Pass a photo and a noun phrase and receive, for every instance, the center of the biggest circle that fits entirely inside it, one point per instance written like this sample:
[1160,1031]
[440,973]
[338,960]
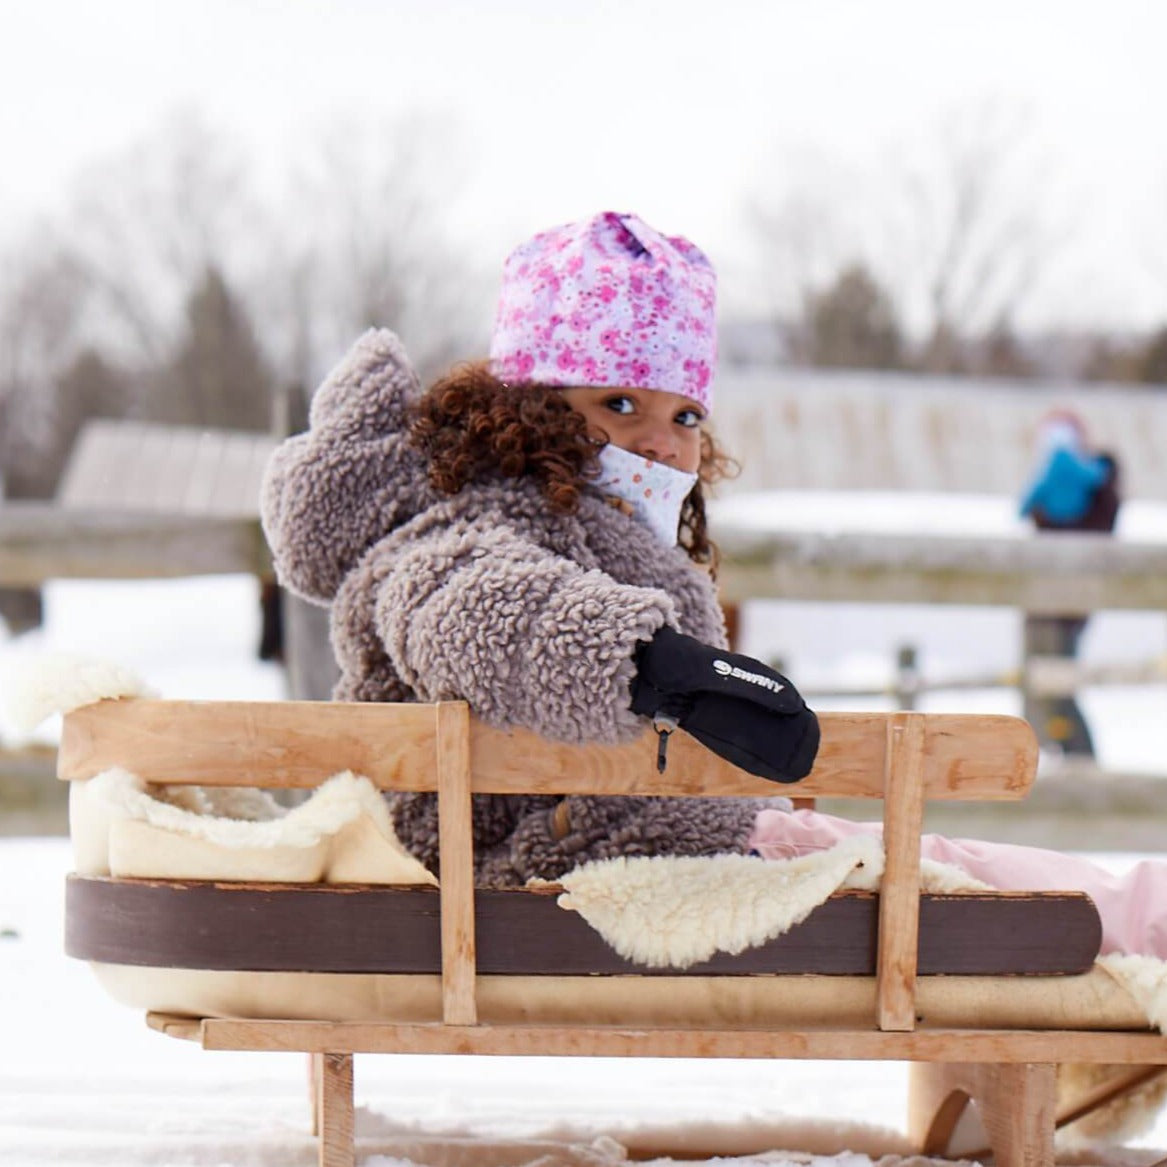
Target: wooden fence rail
[41,541]
[1042,574]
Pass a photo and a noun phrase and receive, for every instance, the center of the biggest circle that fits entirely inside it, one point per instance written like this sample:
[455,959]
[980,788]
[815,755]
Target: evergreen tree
[1003,354]
[1153,361]
[219,376]
[852,323]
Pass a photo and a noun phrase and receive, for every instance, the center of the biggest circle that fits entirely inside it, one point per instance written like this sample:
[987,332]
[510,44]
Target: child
[1072,489]
[477,542]
[529,535]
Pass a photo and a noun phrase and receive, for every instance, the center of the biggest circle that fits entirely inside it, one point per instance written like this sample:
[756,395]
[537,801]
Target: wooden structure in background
[137,500]
[140,500]
[135,466]
[904,759]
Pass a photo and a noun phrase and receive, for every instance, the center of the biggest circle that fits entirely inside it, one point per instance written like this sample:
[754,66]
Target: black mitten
[735,705]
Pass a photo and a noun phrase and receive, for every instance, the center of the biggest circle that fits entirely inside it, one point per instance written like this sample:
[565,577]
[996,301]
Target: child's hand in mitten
[733,704]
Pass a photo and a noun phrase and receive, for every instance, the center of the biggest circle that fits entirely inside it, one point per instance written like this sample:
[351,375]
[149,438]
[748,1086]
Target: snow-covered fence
[811,429]
[41,541]
[1067,574]
[1039,676]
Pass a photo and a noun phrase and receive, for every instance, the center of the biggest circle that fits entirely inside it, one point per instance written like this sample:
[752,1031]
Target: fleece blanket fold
[342,833]
[675,911]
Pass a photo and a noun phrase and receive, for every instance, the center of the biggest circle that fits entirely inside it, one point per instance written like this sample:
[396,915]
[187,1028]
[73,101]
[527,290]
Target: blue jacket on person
[1064,488]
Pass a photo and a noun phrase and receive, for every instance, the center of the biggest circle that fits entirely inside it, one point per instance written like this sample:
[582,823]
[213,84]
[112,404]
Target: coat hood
[331,493]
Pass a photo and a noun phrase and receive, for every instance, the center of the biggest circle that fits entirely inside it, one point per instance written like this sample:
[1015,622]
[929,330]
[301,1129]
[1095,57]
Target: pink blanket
[1133,906]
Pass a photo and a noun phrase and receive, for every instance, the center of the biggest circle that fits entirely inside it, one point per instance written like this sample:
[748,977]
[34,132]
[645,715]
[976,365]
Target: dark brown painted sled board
[352,928]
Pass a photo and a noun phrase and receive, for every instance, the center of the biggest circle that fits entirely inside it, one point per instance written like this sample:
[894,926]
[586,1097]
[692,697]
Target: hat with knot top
[608,301]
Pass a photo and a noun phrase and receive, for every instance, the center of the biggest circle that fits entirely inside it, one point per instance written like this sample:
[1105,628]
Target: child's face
[664,427]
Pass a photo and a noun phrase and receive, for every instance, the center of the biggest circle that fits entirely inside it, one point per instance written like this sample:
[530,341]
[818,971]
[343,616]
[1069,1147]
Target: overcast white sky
[672,109]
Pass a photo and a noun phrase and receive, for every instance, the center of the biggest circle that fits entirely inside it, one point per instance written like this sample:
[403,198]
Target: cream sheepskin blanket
[39,685]
[342,834]
[676,911]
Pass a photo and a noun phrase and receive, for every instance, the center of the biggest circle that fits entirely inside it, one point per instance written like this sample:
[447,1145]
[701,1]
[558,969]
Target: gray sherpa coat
[487,595]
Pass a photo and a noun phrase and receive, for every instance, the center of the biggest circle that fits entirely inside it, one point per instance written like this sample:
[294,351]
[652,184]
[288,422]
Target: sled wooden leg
[315,1075]
[936,1101]
[1017,1104]
[332,1108]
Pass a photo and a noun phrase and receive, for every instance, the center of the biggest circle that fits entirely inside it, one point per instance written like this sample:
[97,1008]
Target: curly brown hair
[470,424]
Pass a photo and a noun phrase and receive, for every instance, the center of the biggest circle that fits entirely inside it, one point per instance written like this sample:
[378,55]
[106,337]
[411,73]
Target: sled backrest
[903,758]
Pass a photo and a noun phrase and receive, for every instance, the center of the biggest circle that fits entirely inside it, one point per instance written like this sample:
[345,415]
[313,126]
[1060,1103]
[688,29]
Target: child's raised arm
[330,493]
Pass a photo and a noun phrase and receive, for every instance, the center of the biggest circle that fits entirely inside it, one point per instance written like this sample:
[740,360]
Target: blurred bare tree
[171,269]
[952,227]
[147,224]
[974,227]
[42,308]
[370,245]
[804,236]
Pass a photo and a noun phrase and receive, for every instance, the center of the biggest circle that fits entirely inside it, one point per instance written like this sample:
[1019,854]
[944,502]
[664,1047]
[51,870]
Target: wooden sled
[961,985]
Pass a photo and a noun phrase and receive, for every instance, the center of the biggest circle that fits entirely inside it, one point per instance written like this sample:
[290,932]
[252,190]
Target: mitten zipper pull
[664,725]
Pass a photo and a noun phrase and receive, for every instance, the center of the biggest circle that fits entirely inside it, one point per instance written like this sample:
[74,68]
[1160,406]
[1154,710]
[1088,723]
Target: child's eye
[688,418]
[620,404]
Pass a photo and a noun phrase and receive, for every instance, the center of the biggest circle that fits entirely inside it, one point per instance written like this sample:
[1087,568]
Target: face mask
[655,492]
[1058,434]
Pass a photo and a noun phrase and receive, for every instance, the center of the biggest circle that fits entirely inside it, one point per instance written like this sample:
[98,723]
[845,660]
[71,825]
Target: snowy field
[82,1081]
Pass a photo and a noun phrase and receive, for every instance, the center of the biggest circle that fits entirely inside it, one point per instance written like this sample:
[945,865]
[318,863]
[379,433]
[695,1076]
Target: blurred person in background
[1073,488]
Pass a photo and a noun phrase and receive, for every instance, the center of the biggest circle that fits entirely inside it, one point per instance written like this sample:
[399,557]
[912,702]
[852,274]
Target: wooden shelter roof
[165,469]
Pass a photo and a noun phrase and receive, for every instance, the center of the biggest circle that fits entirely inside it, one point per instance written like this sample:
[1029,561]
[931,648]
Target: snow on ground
[83,1082]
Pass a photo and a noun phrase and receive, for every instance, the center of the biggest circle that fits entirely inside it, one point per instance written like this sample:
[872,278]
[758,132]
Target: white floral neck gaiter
[655,492]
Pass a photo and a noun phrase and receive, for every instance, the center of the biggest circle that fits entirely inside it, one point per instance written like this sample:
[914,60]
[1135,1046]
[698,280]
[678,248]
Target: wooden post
[308,658]
[456,855]
[315,1084]
[899,900]
[334,1110]
[907,676]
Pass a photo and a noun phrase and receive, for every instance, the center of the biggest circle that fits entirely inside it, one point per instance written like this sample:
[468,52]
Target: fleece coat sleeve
[527,637]
[332,492]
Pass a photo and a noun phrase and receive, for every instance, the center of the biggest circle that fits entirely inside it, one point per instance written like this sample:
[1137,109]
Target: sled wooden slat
[456,852]
[899,907]
[999,1047]
[299,744]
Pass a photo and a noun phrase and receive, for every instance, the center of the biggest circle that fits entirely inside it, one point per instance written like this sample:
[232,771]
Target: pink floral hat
[608,301]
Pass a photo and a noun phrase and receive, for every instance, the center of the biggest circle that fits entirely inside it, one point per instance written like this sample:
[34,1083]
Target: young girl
[529,535]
